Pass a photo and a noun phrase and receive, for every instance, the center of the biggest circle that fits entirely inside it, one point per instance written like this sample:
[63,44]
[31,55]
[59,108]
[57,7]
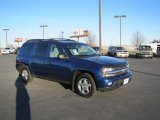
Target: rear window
[26,49]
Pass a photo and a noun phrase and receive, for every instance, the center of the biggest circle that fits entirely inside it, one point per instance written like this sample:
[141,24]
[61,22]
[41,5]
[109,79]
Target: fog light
[110,83]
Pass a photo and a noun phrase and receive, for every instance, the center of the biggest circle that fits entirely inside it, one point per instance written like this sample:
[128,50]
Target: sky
[24,17]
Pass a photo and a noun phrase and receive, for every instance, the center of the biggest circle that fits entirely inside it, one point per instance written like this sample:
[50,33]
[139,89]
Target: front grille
[146,53]
[119,70]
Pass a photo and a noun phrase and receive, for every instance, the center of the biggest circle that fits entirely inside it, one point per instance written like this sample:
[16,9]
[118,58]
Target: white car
[8,51]
[118,52]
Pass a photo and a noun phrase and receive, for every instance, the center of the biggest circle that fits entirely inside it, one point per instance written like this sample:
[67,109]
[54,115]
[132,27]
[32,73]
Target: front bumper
[104,84]
[122,55]
[143,55]
[4,52]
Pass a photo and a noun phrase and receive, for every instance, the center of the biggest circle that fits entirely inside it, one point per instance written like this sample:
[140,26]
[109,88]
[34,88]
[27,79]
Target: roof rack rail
[51,39]
[62,39]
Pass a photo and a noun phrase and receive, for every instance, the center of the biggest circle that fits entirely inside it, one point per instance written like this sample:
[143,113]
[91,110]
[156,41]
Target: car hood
[105,60]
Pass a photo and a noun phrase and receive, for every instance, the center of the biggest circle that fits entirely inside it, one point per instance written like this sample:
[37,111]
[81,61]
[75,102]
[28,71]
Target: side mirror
[62,56]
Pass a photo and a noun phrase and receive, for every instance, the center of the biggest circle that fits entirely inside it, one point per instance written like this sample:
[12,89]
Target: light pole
[6,35]
[43,26]
[62,34]
[100,32]
[120,16]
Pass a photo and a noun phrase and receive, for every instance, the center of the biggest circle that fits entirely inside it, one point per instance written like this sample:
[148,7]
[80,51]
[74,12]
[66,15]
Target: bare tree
[91,39]
[137,39]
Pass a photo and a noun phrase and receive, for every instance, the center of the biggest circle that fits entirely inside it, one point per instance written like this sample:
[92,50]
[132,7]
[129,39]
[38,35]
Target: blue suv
[71,62]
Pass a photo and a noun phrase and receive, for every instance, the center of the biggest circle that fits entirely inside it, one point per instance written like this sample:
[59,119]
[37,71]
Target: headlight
[105,71]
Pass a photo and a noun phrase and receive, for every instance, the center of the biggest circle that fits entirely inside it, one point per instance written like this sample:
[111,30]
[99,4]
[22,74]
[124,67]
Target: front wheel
[25,74]
[85,85]
[115,54]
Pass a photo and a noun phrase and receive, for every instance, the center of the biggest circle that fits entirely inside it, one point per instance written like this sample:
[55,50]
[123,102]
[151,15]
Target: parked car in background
[155,48]
[158,51]
[144,51]
[8,50]
[73,63]
[116,51]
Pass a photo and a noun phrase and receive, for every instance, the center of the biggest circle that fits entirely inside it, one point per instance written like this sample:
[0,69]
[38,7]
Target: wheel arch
[22,65]
[79,72]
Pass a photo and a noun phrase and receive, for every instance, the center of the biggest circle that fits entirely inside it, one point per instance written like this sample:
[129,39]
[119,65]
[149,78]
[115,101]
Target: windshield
[119,48]
[145,47]
[7,48]
[81,50]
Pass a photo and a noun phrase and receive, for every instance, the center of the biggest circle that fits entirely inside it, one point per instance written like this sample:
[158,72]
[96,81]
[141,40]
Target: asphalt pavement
[48,100]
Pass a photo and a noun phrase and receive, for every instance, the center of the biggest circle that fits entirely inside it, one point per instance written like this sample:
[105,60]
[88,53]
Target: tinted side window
[26,49]
[41,50]
[110,48]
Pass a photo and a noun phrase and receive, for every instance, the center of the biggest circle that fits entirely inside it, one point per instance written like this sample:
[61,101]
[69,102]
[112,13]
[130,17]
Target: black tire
[85,85]
[137,56]
[25,74]
[115,54]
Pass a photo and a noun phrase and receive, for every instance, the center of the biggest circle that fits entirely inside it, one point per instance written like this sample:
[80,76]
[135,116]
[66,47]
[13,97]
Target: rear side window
[41,49]
[26,49]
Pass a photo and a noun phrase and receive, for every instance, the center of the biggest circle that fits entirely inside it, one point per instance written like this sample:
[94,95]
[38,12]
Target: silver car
[8,51]
[116,51]
[144,51]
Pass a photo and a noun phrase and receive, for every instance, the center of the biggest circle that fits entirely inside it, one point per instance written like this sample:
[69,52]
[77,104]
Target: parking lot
[48,100]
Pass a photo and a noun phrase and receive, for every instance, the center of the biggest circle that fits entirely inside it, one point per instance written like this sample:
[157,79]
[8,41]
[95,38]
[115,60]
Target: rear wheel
[137,56]
[85,85]
[25,74]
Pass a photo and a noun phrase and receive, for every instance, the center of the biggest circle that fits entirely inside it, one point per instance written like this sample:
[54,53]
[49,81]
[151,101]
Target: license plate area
[125,81]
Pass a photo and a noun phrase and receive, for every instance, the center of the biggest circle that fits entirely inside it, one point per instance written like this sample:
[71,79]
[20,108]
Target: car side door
[38,58]
[56,68]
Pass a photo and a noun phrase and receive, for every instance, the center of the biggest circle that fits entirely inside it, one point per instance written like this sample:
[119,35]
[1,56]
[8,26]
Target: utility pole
[43,26]
[6,35]
[100,32]
[120,16]
[62,34]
